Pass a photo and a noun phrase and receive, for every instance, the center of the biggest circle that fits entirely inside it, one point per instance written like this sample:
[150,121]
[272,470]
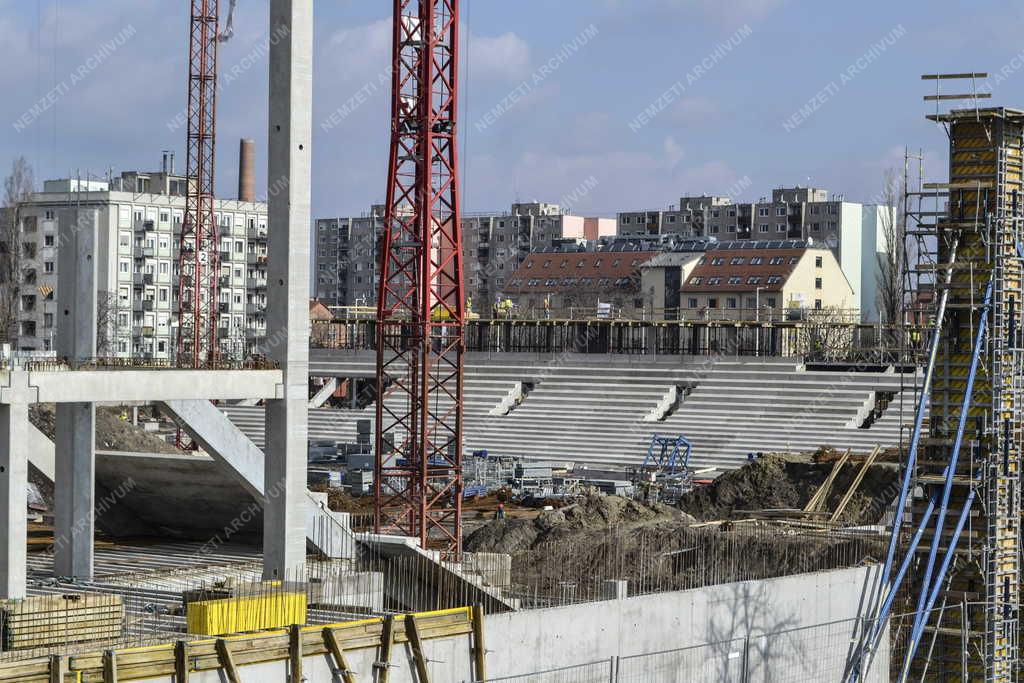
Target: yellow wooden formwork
[245,614]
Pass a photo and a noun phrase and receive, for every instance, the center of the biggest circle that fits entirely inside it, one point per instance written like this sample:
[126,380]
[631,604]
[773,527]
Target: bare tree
[892,262]
[18,185]
[106,323]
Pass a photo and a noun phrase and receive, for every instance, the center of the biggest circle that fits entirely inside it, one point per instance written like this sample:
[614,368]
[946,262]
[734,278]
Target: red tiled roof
[553,272]
[728,264]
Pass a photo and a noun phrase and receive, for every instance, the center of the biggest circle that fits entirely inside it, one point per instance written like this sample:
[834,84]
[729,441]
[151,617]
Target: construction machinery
[665,473]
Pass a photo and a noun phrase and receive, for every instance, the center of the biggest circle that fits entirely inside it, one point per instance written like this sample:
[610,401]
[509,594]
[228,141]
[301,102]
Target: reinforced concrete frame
[76,391]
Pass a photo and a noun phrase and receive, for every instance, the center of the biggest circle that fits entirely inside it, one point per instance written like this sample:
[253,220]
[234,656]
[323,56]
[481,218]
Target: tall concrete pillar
[288,327]
[75,453]
[13,495]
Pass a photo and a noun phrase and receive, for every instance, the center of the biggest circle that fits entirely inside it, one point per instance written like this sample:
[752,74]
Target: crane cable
[229,29]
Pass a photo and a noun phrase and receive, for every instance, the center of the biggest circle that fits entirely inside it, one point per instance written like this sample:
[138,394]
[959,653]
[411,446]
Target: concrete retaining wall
[798,628]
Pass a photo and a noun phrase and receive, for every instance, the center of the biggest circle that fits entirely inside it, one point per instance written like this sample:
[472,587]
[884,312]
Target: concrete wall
[807,616]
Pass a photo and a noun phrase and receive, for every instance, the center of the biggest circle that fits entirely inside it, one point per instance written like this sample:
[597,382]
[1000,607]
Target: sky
[600,105]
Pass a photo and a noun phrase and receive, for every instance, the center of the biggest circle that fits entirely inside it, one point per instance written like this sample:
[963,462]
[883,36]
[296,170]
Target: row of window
[697,281]
[732,302]
[570,282]
[583,262]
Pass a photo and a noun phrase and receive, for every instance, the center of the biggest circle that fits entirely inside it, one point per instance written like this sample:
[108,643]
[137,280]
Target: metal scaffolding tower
[420,314]
[961,563]
[199,258]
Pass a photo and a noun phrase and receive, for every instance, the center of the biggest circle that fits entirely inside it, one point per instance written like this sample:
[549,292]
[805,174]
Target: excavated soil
[777,482]
[593,514]
[112,433]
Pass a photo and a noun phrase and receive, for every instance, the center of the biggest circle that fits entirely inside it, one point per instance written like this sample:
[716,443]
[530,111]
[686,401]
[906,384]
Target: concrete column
[288,327]
[75,453]
[13,498]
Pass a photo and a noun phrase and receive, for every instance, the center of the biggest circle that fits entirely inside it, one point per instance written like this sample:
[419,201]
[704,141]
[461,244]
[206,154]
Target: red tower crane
[199,258]
[420,305]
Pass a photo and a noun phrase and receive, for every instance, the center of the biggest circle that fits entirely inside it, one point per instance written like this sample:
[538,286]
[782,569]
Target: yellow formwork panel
[243,614]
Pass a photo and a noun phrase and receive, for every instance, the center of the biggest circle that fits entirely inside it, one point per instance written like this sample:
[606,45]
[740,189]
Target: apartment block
[852,231]
[140,219]
[494,245]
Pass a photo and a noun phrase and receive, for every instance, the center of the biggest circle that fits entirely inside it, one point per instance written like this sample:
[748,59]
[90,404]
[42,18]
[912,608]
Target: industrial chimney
[247,171]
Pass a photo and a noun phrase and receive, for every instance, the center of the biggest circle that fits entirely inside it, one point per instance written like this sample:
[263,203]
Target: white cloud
[673,151]
[506,56]
[695,110]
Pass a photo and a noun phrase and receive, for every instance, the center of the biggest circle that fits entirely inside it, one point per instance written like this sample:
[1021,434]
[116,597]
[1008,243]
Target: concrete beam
[326,391]
[290,141]
[13,498]
[115,386]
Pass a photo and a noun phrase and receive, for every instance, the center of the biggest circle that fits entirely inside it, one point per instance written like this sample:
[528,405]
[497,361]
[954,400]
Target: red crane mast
[199,258]
[421,299]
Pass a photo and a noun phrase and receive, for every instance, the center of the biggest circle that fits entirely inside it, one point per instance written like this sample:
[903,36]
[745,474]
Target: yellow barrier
[243,614]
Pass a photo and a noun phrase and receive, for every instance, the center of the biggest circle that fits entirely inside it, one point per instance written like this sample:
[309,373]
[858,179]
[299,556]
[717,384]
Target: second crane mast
[420,323]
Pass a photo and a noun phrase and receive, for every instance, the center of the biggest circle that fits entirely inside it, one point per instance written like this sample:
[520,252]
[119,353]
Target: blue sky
[530,132]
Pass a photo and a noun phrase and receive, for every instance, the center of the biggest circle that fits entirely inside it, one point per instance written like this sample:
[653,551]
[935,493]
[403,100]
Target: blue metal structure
[668,455]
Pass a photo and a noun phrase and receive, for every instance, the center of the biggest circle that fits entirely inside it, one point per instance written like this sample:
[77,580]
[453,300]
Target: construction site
[419,493]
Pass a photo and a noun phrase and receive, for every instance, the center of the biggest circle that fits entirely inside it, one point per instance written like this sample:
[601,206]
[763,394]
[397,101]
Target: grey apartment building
[852,231]
[494,244]
[140,219]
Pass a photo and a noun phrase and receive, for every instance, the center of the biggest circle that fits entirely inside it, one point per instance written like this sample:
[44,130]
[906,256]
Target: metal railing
[809,341]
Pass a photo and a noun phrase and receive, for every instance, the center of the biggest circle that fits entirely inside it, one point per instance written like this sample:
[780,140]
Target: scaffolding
[961,487]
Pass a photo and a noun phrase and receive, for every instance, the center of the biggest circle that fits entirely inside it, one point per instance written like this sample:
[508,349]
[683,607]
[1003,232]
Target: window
[781,227]
[616,262]
[696,280]
[164,217]
[597,263]
[625,220]
[832,225]
[547,264]
[718,261]
[691,302]
[735,279]
[713,230]
[737,261]
[581,263]
[762,211]
[638,303]
[833,209]
[817,262]
[780,211]
[757,260]
[815,210]
[730,302]
[732,213]
[529,264]
[817,304]
[564,263]
[163,294]
[671,219]
[731,228]
[771,302]
[714,281]
[793,260]
[774,279]
[712,302]
[776,260]
[817,283]
[763,227]
[604,282]
[754,280]
[815,227]
[714,214]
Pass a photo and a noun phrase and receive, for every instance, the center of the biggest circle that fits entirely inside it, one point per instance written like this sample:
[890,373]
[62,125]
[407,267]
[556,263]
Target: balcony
[148,305]
[255,309]
[224,307]
[224,231]
[148,331]
[140,279]
[225,256]
[256,233]
[223,332]
[224,281]
[145,226]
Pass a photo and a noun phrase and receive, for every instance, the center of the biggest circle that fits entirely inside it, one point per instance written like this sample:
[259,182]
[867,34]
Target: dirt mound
[779,482]
[591,514]
[112,433]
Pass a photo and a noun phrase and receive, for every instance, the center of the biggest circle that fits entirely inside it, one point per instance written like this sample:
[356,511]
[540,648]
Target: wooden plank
[110,666]
[418,658]
[966,96]
[868,462]
[226,661]
[387,640]
[181,664]
[295,652]
[819,497]
[338,653]
[479,644]
[940,77]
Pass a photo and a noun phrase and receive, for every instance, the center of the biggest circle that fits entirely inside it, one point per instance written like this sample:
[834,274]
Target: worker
[500,513]
[547,307]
